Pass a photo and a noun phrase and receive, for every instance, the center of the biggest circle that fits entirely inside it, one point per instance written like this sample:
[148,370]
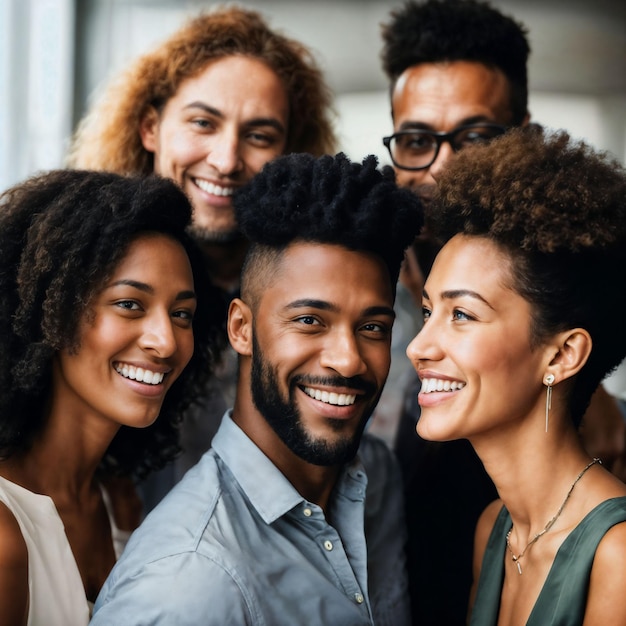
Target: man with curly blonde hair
[209,107]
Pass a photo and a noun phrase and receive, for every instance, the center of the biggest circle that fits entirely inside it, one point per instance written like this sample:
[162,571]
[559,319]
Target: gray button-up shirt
[235,543]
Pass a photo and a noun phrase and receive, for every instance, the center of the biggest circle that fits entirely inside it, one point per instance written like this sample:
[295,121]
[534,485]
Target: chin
[434,432]
[206,234]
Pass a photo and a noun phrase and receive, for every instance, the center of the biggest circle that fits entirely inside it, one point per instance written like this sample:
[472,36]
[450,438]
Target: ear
[572,351]
[240,327]
[148,129]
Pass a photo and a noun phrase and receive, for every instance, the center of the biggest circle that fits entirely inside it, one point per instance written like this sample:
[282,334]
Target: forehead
[444,95]
[471,262]
[149,253]
[329,273]
[236,83]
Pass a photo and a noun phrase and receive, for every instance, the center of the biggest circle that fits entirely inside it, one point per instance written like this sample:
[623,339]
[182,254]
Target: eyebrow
[451,294]
[323,305]
[182,295]
[468,121]
[255,122]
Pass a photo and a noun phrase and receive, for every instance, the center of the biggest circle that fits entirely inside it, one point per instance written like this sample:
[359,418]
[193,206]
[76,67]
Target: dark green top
[563,597]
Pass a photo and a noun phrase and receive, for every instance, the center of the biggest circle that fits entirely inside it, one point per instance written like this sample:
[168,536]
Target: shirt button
[328,545]
[359,598]
[307,512]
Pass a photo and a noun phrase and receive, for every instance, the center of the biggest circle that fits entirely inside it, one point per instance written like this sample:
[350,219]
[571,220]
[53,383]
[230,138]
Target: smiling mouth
[330,397]
[139,374]
[212,188]
[431,385]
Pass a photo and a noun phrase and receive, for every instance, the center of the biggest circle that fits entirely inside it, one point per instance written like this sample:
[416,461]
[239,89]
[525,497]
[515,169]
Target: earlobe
[240,327]
[148,129]
[574,347]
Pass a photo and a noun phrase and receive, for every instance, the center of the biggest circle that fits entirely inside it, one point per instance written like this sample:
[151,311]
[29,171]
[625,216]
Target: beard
[204,235]
[284,418]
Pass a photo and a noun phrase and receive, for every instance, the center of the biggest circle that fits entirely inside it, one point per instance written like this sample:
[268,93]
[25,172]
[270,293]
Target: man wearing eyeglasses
[458,75]
[457,72]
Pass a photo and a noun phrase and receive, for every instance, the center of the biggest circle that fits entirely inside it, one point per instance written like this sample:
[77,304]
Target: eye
[415,141]
[308,320]
[261,140]
[187,315]
[183,317]
[203,123]
[376,330]
[128,305]
[478,134]
[459,315]
[426,313]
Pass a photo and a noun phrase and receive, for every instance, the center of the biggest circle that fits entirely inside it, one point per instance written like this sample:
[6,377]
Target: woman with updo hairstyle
[523,314]
[108,330]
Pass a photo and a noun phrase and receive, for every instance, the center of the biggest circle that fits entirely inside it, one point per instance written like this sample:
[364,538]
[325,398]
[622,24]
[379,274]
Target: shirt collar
[267,488]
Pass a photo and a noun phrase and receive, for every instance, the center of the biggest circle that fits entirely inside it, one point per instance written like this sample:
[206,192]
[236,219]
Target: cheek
[379,361]
[181,148]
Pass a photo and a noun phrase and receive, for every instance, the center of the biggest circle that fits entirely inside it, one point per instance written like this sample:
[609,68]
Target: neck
[313,482]
[533,472]
[64,457]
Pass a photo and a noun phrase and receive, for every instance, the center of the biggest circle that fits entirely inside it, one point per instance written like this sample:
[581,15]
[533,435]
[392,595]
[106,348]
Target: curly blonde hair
[108,137]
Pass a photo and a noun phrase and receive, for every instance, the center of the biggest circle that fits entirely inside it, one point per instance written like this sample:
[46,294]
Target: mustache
[354,382]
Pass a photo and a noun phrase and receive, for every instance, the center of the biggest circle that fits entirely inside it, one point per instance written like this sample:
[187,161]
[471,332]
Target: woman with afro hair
[108,330]
[523,314]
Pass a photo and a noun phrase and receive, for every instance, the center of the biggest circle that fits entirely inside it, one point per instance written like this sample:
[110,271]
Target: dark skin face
[322,351]
[441,97]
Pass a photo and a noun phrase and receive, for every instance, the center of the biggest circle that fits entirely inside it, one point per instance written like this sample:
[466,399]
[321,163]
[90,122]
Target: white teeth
[430,385]
[139,374]
[213,189]
[337,399]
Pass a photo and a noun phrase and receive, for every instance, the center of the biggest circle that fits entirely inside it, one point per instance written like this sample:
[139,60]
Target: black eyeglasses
[417,149]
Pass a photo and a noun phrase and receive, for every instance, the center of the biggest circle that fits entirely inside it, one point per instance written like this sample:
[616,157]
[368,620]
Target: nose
[224,153]
[424,346]
[158,336]
[342,354]
[443,157]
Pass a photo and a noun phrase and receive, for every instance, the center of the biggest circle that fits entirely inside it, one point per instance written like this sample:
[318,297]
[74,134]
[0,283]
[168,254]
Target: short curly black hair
[62,234]
[458,30]
[331,200]
[557,208]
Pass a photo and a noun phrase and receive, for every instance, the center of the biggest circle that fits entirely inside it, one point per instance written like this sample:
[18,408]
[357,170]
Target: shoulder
[12,545]
[606,601]
[484,528]
[186,588]
[13,567]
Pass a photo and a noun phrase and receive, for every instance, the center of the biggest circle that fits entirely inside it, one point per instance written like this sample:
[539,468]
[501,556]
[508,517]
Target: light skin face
[476,341]
[215,134]
[441,97]
[323,326]
[140,320]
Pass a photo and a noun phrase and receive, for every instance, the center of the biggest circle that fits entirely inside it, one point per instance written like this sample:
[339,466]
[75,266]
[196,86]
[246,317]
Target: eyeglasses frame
[440,137]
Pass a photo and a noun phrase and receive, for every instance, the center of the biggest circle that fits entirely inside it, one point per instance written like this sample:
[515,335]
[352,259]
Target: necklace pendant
[519,566]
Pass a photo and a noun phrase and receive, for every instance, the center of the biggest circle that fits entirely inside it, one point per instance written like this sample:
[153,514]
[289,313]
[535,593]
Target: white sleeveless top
[57,595]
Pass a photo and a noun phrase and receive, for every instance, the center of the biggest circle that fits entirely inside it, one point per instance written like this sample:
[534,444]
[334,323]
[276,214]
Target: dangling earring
[548,381]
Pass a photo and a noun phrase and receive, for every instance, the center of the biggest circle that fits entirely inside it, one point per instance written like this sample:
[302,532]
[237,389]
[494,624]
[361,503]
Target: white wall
[36,83]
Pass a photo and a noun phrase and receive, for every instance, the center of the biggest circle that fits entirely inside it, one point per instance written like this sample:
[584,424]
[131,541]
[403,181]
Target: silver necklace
[549,525]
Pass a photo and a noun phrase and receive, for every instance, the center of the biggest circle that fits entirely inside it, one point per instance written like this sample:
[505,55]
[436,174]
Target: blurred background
[54,54]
